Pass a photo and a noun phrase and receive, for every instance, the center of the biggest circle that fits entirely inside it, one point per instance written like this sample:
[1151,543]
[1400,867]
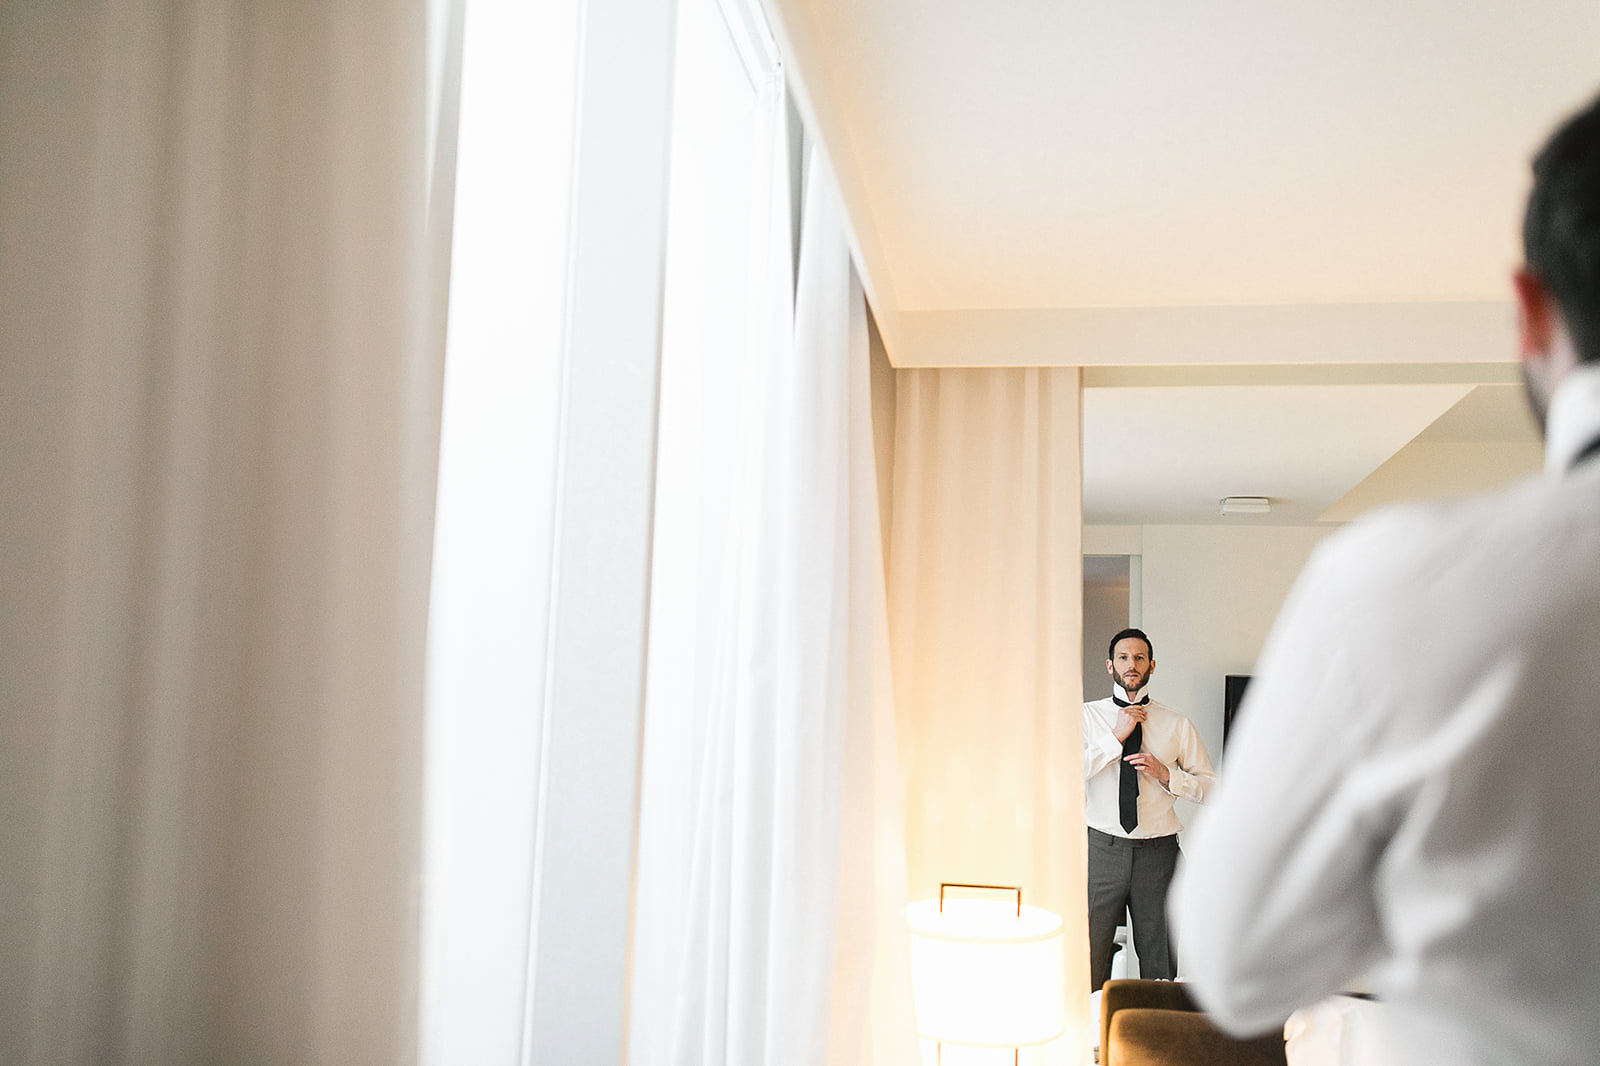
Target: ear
[1536,317]
[1110,669]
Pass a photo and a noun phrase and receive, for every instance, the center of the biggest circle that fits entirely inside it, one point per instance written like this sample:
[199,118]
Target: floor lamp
[987,973]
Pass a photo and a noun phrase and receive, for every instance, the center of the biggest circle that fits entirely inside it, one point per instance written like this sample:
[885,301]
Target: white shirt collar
[1122,693]
[1574,418]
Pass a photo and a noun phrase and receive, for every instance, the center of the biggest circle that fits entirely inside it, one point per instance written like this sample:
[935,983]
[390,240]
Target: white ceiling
[1136,471]
[1158,454]
[1485,441]
[1490,414]
[1155,186]
[1087,153]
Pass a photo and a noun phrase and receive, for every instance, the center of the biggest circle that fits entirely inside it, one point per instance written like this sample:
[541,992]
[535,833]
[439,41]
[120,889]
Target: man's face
[1130,664]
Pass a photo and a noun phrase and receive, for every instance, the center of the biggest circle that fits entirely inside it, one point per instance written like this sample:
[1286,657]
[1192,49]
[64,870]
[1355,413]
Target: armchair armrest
[1121,995]
[1157,1023]
[1144,1036]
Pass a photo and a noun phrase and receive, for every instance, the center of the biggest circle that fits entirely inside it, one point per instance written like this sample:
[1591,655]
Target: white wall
[1210,596]
[1113,540]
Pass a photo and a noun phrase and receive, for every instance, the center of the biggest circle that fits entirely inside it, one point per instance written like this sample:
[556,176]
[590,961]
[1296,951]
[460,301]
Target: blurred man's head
[1558,289]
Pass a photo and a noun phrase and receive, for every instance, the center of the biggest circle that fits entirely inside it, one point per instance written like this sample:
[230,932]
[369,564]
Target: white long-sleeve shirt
[1411,793]
[1167,735]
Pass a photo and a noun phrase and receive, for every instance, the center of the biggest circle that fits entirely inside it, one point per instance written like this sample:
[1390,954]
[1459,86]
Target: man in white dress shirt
[1138,756]
[1412,797]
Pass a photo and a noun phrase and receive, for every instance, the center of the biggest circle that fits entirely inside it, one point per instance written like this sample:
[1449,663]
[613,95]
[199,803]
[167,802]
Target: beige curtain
[985,616]
[218,427]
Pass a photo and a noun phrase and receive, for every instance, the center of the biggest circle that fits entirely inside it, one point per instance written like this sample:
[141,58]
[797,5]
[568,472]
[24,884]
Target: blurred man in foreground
[1412,795]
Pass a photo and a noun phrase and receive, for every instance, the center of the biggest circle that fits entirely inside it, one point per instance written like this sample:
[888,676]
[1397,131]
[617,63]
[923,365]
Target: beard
[1133,684]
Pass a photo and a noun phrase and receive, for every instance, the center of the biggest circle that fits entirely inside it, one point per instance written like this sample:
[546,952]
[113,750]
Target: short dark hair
[1150,649]
[1561,229]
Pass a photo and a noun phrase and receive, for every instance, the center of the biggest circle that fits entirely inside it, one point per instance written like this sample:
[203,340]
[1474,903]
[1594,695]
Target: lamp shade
[985,975]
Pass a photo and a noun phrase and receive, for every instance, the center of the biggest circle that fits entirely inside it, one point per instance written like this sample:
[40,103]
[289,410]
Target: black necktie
[1128,781]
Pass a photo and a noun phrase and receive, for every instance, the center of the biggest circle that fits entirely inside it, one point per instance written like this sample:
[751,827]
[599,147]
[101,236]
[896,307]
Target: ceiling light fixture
[1246,505]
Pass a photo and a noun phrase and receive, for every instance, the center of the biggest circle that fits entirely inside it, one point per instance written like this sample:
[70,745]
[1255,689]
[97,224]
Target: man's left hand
[1149,764]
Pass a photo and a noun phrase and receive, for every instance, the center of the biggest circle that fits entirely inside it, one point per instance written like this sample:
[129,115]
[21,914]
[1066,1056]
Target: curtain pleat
[221,412]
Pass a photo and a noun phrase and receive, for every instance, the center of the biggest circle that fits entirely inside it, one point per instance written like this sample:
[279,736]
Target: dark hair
[1561,230]
[1150,649]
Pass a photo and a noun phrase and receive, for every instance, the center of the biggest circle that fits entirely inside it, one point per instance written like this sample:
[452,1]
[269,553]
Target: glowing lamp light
[987,973]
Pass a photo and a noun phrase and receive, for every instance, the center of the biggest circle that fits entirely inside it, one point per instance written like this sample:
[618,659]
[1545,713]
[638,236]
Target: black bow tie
[1120,702]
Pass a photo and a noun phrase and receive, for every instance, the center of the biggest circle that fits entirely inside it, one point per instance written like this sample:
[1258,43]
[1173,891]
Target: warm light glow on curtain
[986,617]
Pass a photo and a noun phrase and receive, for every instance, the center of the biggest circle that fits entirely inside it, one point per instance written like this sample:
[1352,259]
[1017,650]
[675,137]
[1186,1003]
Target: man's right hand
[1127,718]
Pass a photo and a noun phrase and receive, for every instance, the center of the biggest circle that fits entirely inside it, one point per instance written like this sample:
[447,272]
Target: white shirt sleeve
[1273,903]
[1101,747]
[1193,777]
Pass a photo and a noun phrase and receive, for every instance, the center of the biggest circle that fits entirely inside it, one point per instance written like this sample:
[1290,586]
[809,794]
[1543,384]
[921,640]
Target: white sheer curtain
[218,427]
[494,531]
[770,924]
[986,612]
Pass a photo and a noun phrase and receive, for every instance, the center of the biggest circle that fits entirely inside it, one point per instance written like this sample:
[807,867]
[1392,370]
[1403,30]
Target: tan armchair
[1155,1023]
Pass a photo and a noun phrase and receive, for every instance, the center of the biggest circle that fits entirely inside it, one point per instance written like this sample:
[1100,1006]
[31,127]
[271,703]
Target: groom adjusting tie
[1139,755]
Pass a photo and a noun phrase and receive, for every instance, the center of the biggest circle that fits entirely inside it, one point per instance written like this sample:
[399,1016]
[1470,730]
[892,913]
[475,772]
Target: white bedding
[1339,1031]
